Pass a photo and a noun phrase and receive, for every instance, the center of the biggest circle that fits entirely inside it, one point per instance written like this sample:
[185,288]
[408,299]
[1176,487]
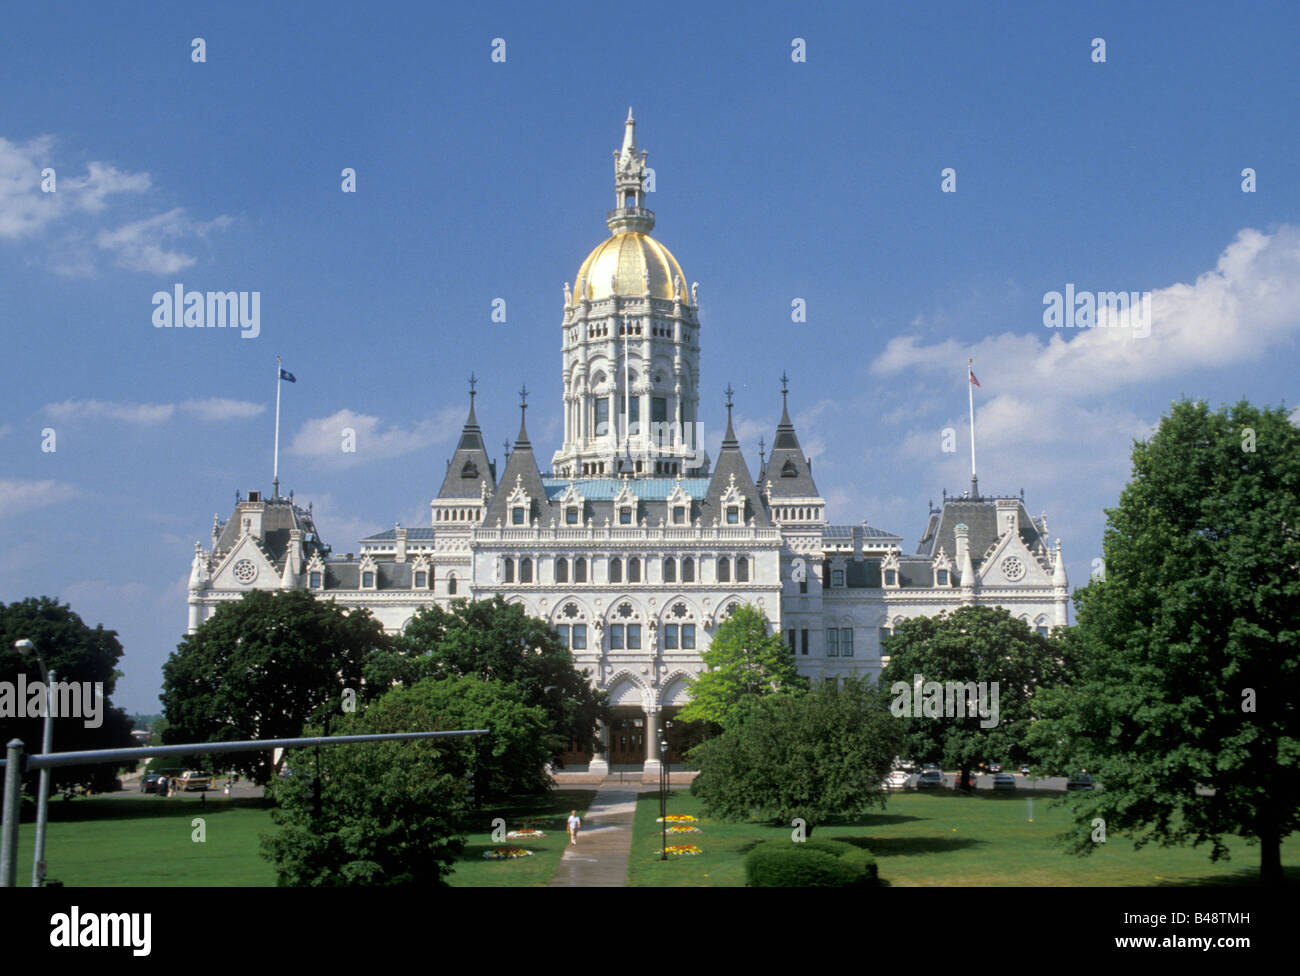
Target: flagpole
[275,463]
[970,389]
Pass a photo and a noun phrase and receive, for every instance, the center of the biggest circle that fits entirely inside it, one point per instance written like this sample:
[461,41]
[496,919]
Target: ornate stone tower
[631,349]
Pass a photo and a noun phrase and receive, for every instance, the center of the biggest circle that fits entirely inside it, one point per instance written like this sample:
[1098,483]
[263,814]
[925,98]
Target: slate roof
[469,467]
[787,468]
[390,535]
[279,516]
[732,462]
[520,469]
[981,519]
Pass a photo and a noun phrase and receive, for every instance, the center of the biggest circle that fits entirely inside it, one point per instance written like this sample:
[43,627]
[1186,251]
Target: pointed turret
[521,483]
[732,486]
[469,468]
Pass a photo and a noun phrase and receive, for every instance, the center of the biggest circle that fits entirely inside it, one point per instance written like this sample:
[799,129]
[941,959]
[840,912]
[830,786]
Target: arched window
[616,570]
[561,570]
[670,570]
[742,569]
[525,570]
[580,569]
[451,584]
[634,570]
[510,570]
[367,580]
[688,570]
[724,569]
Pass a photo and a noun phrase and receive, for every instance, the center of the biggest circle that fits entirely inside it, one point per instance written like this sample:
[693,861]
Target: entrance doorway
[627,737]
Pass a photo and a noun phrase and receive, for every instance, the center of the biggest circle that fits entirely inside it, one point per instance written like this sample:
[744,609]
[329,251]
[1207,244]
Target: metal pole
[275,463]
[43,795]
[9,839]
[970,388]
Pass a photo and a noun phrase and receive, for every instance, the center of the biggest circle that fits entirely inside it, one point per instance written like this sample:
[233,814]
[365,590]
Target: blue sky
[478,180]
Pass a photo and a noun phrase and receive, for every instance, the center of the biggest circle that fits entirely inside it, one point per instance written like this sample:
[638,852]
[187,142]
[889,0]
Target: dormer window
[733,515]
[517,515]
[625,516]
[314,580]
[571,515]
[679,515]
[891,577]
[421,580]
[368,581]
[788,470]
[941,577]
[469,470]
[837,577]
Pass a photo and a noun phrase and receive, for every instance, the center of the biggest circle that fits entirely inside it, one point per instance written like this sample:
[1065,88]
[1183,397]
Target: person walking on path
[575,824]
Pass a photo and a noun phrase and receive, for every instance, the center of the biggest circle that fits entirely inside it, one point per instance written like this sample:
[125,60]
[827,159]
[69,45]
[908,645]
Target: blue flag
[287,376]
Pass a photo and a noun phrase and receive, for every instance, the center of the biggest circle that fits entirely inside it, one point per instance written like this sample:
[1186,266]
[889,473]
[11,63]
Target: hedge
[811,863]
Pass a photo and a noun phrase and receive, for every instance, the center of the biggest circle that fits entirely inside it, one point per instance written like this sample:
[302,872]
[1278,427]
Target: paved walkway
[599,859]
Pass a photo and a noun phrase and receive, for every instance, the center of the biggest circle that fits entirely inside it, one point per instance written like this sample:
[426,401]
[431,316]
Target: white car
[896,780]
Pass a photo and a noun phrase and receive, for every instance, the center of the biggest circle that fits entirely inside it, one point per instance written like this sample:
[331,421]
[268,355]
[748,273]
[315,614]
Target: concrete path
[599,859]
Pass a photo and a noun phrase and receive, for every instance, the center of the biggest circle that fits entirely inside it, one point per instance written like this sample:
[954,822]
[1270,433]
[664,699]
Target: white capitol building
[636,544]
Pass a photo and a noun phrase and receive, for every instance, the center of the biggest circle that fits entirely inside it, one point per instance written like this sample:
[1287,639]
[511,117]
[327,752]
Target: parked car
[149,782]
[1004,781]
[930,779]
[995,767]
[1024,769]
[192,780]
[896,780]
[1079,781]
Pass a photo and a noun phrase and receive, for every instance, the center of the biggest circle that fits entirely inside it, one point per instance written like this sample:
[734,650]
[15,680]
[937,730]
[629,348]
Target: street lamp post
[663,793]
[43,793]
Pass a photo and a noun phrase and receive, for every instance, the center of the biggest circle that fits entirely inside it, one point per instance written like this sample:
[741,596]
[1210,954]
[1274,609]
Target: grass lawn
[548,814]
[145,840]
[946,839]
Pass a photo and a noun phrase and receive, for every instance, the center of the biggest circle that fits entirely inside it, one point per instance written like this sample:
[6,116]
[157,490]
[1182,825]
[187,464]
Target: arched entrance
[626,725]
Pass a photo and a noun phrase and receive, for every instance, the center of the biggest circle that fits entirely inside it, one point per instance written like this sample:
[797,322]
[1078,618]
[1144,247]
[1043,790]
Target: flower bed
[677,818]
[683,849]
[684,829]
[506,853]
[526,833]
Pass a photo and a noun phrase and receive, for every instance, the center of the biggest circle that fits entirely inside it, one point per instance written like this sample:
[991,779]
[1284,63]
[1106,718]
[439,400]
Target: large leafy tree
[497,641]
[745,661]
[384,813]
[815,755]
[983,645]
[1190,676]
[78,653]
[264,666]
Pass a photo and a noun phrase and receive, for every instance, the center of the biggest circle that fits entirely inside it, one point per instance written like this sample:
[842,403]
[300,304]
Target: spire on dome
[522,439]
[630,213]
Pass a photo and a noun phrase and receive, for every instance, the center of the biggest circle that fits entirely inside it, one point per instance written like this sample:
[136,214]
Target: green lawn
[550,813]
[946,839]
[147,840]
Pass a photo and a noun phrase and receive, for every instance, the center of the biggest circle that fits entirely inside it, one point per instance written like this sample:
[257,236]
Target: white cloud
[207,409]
[1236,312]
[19,495]
[323,437]
[68,222]
[138,246]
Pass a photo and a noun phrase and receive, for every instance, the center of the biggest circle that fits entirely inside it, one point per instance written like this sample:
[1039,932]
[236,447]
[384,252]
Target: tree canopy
[745,661]
[76,652]
[1185,707]
[981,645]
[384,813]
[815,755]
[265,666]
[497,641]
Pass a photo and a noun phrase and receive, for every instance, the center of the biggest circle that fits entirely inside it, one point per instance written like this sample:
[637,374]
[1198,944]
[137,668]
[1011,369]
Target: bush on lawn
[811,863]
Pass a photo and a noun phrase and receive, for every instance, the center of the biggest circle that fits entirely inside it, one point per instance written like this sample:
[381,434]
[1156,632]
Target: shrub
[812,863]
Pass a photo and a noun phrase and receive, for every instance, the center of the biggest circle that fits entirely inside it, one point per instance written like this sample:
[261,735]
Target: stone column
[652,735]
[599,764]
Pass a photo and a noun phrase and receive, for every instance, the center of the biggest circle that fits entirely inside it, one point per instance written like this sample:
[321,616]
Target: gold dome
[618,266]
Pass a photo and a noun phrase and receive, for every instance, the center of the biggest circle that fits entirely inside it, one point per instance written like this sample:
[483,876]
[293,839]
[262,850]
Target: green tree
[77,653]
[497,641]
[1190,676]
[745,660]
[979,645]
[263,667]
[814,755]
[383,813]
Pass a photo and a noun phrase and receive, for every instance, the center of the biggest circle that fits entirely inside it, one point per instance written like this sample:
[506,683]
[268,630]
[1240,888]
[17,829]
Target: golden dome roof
[618,266]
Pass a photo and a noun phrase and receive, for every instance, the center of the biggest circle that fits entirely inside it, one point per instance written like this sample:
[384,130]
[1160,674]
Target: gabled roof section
[279,516]
[787,468]
[730,470]
[469,466]
[981,518]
